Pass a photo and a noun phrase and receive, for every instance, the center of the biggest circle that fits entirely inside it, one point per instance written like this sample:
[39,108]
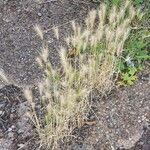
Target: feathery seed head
[74,26]
[38,30]
[3,76]
[45,53]
[28,95]
[56,31]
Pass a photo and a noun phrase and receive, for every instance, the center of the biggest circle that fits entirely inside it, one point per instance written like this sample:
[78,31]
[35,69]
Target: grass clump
[89,65]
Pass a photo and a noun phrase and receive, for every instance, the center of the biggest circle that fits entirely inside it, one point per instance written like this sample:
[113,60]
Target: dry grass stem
[3,76]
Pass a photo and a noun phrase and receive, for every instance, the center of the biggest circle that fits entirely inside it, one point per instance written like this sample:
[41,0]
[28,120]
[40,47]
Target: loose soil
[122,118]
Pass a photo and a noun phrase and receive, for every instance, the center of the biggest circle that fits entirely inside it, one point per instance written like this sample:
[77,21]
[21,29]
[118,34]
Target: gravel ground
[122,119]
[19,44]
[16,130]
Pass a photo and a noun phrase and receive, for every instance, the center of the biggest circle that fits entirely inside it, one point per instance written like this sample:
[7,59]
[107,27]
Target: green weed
[135,53]
[136,47]
[129,77]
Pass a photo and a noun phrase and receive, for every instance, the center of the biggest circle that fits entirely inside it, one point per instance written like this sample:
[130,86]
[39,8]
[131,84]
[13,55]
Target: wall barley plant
[91,65]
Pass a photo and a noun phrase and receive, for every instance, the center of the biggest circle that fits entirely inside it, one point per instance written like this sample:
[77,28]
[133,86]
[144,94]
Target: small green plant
[138,2]
[135,53]
[113,2]
[129,77]
[116,2]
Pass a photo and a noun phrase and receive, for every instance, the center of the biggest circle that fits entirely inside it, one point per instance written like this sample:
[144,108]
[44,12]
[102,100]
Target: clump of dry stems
[65,92]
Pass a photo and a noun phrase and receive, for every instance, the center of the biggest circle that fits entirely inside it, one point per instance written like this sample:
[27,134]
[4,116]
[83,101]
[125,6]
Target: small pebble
[13,127]
[139,121]
[19,10]
[39,14]
[9,129]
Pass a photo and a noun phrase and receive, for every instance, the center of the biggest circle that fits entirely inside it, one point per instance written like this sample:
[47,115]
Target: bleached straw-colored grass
[90,65]
[3,76]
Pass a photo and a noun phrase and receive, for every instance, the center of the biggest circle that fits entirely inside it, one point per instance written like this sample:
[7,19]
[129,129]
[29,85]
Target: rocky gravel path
[16,130]
[19,44]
